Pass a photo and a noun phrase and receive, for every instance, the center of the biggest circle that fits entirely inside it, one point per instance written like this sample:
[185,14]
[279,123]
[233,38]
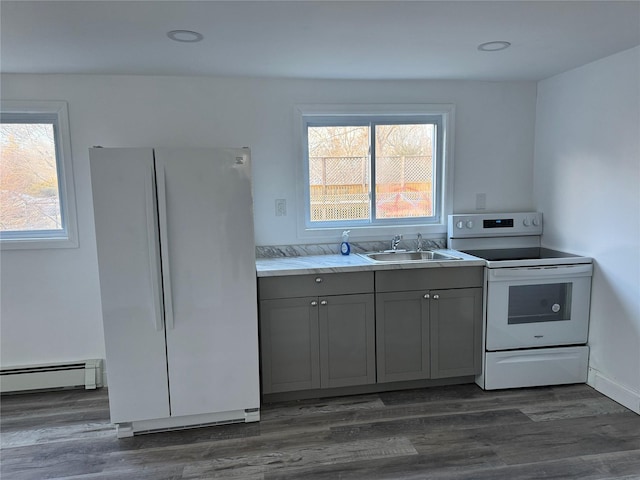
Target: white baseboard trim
[128,429]
[616,392]
[47,376]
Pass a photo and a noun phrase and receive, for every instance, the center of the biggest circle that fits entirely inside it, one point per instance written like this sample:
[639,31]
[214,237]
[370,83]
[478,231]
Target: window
[37,204]
[375,170]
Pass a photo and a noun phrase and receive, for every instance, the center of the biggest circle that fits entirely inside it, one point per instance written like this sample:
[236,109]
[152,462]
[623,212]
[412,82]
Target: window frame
[317,115]
[55,112]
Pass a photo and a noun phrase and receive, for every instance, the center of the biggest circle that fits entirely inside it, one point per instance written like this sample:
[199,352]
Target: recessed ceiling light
[187,36]
[493,46]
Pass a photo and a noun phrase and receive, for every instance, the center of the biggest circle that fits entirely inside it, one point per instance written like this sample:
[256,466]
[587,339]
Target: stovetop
[533,253]
[530,257]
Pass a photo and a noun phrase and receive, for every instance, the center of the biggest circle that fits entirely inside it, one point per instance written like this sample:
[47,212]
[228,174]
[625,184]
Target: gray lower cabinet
[311,342]
[456,332]
[327,331]
[289,344]
[347,340]
[402,336]
[428,333]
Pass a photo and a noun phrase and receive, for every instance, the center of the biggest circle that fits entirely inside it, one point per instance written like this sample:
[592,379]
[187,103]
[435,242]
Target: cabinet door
[126,235]
[208,253]
[402,336]
[289,344]
[347,340]
[456,332]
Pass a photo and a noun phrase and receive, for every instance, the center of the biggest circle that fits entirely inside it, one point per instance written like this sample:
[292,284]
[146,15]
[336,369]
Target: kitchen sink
[405,256]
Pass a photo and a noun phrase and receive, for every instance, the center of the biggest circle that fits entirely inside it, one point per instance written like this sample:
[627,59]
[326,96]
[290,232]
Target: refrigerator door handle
[164,246]
[149,194]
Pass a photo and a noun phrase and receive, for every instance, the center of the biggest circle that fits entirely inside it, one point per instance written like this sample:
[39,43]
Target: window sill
[38,243]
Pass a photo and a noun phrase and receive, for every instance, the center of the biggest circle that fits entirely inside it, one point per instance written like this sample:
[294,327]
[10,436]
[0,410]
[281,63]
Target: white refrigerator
[176,256]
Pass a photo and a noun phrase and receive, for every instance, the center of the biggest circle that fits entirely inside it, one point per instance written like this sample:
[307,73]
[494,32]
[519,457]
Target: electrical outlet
[281,207]
[481,201]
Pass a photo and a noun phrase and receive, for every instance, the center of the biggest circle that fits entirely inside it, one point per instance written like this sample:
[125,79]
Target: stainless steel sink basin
[400,256]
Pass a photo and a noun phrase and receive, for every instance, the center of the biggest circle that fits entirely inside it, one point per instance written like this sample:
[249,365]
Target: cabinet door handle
[323,302]
[427,296]
[314,304]
[436,296]
[318,279]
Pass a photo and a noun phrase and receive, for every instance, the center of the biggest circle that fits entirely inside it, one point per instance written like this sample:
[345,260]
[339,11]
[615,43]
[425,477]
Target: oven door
[538,306]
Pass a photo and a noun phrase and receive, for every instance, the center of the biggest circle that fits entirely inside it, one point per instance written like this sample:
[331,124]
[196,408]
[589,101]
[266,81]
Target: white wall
[587,183]
[50,307]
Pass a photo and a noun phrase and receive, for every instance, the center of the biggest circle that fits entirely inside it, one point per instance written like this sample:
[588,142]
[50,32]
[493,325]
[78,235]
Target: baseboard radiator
[84,373]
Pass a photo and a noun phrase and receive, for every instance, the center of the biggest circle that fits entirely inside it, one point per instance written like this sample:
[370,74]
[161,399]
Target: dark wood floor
[455,432]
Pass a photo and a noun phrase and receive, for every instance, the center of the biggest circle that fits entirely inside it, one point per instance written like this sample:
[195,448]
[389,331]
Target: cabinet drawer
[429,278]
[315,285]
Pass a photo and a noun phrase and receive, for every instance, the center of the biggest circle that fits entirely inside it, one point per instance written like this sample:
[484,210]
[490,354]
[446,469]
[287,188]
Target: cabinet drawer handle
[314,304]
[318,279]
[323,302]
[426,295]
[436,296]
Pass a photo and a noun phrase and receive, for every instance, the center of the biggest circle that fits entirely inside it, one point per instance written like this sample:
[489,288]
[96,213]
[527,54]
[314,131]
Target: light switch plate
[281,207]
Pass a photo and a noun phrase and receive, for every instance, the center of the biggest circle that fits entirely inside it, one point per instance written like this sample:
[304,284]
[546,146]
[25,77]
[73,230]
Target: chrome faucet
[419,243]
[395,241]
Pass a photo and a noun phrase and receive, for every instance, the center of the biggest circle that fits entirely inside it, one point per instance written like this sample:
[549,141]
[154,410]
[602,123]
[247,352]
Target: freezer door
[208,254]
[123,185]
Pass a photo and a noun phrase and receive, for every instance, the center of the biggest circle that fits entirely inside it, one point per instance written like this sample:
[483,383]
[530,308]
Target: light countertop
[336,263]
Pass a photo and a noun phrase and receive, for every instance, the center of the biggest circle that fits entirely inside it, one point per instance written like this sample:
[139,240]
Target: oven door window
[539,303]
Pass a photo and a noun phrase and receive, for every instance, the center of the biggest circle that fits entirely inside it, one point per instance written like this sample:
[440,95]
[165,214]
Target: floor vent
[86,373]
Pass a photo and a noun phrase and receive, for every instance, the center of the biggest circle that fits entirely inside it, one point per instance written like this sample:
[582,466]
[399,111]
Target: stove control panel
[494,224]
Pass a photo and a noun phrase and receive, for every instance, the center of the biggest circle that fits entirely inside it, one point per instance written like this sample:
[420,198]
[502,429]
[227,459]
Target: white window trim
[375,232]
[69,235]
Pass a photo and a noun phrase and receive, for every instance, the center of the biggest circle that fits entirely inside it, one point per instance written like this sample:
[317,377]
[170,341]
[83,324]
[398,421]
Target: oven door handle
[585,270]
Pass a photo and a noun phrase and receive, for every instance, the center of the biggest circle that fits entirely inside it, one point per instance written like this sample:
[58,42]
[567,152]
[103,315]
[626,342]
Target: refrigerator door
[123,185]
[208,253]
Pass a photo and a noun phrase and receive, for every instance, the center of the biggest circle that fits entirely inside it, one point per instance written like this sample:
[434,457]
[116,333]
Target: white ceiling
[313,39]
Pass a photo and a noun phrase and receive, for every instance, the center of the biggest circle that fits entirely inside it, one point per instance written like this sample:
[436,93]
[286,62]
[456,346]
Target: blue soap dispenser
[345,248]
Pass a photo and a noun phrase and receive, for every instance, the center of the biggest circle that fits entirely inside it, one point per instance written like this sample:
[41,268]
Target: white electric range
[536,301]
